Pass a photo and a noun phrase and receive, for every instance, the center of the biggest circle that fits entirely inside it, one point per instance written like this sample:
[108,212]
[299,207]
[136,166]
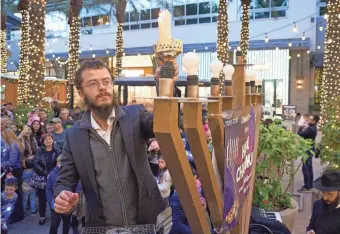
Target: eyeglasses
[94,85]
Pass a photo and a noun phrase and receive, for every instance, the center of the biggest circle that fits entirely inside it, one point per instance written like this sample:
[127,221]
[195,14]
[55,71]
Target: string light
[303,36]
[74,47]
[330,88]
[36,73]
[266,39]
[321,28]
[222,38]
[244,43]
[3,50]
[24,52]
[294,28]
[319,47]
[107,51]
[93,55]
[308,51]
[298,55]
[290,44]
[119,49]
[325,16]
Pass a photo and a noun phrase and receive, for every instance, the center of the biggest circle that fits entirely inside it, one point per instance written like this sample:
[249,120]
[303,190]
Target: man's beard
[102,111]
[330,207]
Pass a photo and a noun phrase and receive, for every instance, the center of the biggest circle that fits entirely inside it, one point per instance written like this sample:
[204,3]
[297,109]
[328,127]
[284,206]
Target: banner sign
[288,112]
[239,149]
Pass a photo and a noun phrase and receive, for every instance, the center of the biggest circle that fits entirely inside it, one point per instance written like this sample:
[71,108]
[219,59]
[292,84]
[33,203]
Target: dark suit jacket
[77,163]
[321,223]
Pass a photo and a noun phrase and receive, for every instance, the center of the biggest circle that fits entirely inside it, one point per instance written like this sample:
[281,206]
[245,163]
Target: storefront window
[3,91]
[204,8]
[179,11]
[96,20]
[87,22]
[260,9]
[145,14]
[191,9]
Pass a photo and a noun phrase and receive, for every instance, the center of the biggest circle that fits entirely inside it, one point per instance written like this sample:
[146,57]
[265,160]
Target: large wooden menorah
[168,136]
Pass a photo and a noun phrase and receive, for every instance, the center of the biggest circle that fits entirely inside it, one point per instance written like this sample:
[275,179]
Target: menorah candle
[258,84]
[216,67]
[191,62]
[166,81]
[239,57]
[228,71]
[252,81]
[164,26]
[247,81]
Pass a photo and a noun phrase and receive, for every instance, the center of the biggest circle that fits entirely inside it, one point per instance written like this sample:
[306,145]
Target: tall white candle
[167,24]
[161,29]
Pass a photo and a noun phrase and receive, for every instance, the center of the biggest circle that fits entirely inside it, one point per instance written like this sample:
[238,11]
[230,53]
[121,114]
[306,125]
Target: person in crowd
[44,162]
[77,114]
[37,131]
[106,151]
[29,193]
[5,122]
[180,224]
[56,218]
[303,121]
[32,116]
[309,132]
[56,109]
[49,128]
[326,211]
[8,202]
[43,118]
[164,181]
[153,155]
[204,110]
[12,161]
[14,128]
[28,141]
[6,112]
[10,107]
[66,120]
[59,133]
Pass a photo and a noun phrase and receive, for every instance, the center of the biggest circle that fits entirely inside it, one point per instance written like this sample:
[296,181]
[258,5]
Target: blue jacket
[51,181]
[27,174]
[7,206]
[180,223]
[11,156]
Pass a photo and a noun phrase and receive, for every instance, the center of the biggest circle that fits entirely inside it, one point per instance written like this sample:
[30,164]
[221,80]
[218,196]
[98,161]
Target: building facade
[285,38]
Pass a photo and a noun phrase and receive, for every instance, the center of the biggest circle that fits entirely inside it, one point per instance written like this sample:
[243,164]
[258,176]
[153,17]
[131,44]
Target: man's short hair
[64,109]
[11,182]
[93,64]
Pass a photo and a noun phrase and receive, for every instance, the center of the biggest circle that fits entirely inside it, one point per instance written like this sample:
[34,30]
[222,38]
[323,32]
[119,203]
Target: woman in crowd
[14,128]
[11,161]
[44,162]
[37,131]
[164,181]
[28,141]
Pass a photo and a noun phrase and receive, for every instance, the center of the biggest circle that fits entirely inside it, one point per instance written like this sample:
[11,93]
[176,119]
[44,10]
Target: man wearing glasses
[309,132]
[106,150]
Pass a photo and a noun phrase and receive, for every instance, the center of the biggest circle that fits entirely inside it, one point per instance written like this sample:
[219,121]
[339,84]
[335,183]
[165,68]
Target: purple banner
[239,147]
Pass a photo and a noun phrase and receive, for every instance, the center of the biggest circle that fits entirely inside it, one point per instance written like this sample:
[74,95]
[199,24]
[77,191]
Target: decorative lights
[119,49]
[303,36]
[222,38]
[266,39]
[3,49]
[244,44]
[295,28]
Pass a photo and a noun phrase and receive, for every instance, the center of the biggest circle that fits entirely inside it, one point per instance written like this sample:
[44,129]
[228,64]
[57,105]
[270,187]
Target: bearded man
[326,211]
[107,151]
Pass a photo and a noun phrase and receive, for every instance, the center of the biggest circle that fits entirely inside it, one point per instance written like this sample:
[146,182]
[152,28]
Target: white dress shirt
[106,135]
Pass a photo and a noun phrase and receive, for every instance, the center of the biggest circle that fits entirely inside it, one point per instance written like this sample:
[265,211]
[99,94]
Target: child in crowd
[49,129]
[303,122]
[164,181]
[29,193]
[56,218]
[8,199]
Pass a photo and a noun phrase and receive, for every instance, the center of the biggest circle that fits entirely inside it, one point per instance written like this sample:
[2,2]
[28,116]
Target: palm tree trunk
[120,12]
[36,72]
[23,7]
[3,40]
[73,52]
[222,38]
[244,44]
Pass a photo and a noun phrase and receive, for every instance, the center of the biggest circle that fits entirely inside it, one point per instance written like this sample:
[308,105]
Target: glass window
[214,7]
[87,22]
[204,20]
[279,3]
[214,19]
[126,27]
[258,4]
[191,9]
[322,11]
[278,14]
[145,14]
[261,15]
[134,26]
[96,21]
[143,26]
[178,11]
[192,21]
[126,18]
[134,16]
[155,13]
[154,24]
[204,8]
[179,22]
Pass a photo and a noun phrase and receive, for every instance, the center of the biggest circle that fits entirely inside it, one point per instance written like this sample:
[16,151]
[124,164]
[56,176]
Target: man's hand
[158,70]
[310,232]
[65,201]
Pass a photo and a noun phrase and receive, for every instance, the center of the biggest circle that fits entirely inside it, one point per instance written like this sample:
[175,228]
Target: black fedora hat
[328,182]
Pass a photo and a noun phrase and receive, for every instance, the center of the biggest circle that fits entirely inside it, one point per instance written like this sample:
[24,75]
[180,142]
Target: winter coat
[11,156]
[40,161]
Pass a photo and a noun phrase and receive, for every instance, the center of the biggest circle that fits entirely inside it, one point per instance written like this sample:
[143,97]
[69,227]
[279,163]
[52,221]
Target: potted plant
[277,150]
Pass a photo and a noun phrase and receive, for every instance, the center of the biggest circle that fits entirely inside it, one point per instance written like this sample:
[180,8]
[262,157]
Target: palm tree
[36,73]
[74,38]
[23,7]
[244,44]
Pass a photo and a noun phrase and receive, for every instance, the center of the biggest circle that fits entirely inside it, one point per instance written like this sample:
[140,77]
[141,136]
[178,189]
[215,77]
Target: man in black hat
[326,211]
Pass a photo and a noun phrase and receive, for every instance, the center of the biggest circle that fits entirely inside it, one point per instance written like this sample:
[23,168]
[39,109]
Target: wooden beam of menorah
[170,141]
[199,148]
